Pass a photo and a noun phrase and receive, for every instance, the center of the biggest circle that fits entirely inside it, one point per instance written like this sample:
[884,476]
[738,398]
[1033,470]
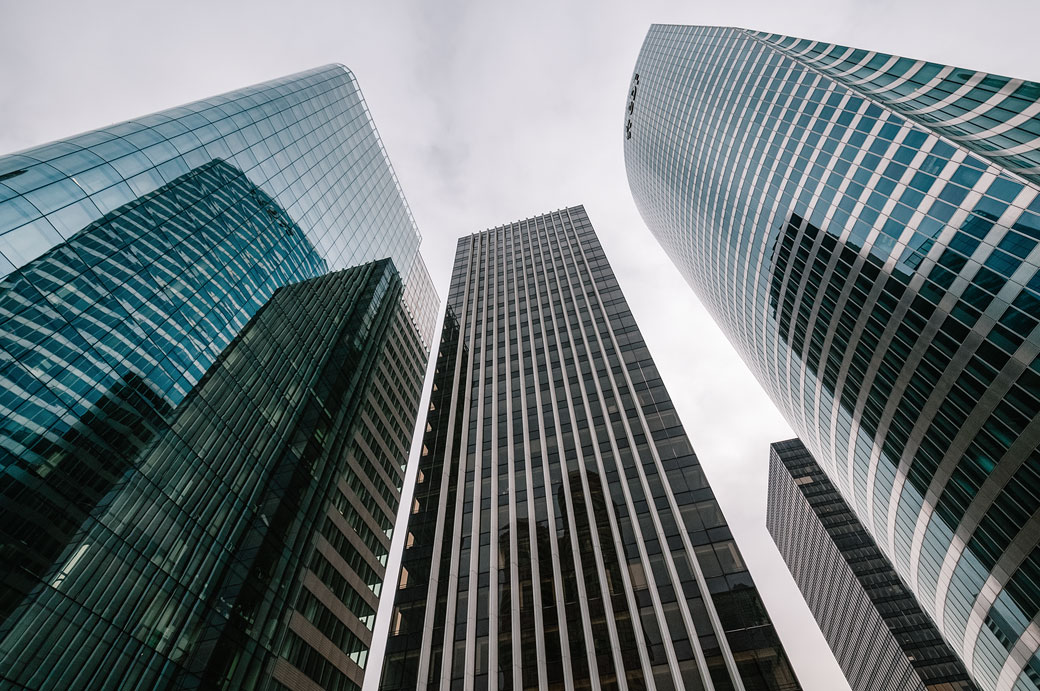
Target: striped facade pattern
[990,115]
[880,277]
[880,637]
[563,535]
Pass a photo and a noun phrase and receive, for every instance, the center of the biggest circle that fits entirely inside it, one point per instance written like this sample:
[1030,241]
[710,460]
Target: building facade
[864,227]
[306,141]
[148,528]
[562,533]
[881,638]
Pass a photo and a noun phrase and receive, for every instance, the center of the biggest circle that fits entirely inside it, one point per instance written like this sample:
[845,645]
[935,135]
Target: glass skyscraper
[562,533]
[198,480]
[880,637]
[865,227]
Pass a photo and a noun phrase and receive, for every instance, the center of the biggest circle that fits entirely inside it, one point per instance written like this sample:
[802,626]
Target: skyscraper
[562,533]
[880,637]
[198,479]
[864,227]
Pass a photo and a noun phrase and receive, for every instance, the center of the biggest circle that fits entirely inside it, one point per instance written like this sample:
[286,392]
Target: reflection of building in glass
[44,508]
[529,623]
[259,503]
[132,450]
[879,635]
[591,519]
[563,535]
[306,141]
[865,227]
[156,288]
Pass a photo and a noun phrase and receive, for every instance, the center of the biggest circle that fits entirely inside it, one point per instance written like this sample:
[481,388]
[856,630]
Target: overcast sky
[493,111]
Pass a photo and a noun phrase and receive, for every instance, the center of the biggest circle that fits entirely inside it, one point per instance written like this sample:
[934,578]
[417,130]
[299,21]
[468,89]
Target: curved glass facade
[306,140]
[875,262]
[997,117]
[203,424]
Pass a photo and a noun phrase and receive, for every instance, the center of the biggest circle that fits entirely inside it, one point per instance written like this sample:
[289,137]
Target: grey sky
[494,111]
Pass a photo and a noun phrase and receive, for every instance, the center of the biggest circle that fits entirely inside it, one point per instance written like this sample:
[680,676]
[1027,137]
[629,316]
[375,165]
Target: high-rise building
[563,535]
[881,638]
[864,227]
[198,479]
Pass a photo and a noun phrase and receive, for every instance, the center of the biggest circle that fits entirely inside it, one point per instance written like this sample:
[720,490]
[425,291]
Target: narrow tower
[563,535]
[880,637]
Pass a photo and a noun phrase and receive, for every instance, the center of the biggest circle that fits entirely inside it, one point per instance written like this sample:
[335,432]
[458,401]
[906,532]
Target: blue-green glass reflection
[865,227]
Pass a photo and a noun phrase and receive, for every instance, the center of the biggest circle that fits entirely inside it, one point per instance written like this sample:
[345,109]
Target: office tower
[562,533]
[864,228]
[169,456]
[261,510]
[879,635]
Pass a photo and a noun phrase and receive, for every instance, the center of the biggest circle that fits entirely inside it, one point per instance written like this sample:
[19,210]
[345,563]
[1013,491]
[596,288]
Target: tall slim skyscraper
[865,229]
[200,462]
[881,638]
[562,534]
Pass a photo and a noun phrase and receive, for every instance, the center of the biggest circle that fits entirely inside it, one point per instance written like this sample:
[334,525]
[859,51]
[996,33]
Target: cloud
[492,112]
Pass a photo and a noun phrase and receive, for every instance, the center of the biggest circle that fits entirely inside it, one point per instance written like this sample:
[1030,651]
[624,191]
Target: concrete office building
[562,534]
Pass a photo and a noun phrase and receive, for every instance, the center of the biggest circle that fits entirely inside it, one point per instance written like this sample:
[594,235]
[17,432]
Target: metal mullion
[448,640]
[799,185]
[493,517]
[637,530]
[889,334]
[695,565]
[779,103]
[791,404]
[536,589]
[779,74]
[637,623]
[727,96]
[867,311]
[766,75]
[509,271]
[682,149]
[474,530]
[579,580]
[547,477]
[828,337]
[611,621]
[757,64]
[813,426]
